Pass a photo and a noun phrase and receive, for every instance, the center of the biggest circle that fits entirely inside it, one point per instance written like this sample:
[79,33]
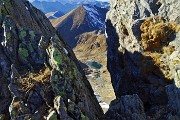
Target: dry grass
[92,46]
[164,68]
[31,79]
[155,39]
[156,33]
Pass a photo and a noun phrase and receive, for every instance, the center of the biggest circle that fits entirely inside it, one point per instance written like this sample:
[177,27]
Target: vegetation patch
[22,34]
[23,52]
[156,32]
[29,80]
[57,56]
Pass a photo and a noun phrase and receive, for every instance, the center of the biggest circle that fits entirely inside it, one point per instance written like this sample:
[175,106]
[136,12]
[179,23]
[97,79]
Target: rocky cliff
[143,59]
[40,76]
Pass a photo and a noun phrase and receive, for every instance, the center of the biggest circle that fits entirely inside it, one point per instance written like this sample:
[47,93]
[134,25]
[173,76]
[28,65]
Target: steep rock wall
[40,76]
[150,73]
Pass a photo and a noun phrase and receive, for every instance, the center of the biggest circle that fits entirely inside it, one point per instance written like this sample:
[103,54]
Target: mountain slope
[83,19]
[40,76]
[92,49]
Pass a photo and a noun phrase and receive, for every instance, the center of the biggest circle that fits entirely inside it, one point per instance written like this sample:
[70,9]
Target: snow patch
[27,8]
[54,16]
[65,51]
[90,75]
[97,97]
[104,105]
[94,16]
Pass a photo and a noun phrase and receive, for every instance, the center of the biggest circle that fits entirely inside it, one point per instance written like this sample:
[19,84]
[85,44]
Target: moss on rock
[32,35]
[57,56]
[23,52]
[30,48]
[22,34]
[8,35]
[83,117]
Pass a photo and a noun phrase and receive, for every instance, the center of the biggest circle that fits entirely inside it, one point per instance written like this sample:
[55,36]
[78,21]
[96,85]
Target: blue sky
[52,0]
[102,0]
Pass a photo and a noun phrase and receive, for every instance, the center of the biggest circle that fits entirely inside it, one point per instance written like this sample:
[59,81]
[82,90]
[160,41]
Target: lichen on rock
[31,50]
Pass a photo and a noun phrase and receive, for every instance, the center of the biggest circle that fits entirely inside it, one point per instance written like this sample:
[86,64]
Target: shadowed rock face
[40,76]
[143,59]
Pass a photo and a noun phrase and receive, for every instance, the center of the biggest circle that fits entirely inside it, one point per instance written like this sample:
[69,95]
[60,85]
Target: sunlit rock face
[40,76]
[143,57]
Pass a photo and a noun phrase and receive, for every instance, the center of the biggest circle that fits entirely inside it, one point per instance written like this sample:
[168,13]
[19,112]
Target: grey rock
[177,78]
[14,72]
[133,72]
[24,54]
[171,117]
[176,41]
[52,116]
[61,108]
[170,10]
[128,107]
[34,100]
[173,100]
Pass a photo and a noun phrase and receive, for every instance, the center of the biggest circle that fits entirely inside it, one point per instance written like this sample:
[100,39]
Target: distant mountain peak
[65,6]
[85,18]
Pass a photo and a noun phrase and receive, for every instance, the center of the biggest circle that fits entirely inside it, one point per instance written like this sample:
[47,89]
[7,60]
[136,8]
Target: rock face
[143,49]
[128,107]
[40,76]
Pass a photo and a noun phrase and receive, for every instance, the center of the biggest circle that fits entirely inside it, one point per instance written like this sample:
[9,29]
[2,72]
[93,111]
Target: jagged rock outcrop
[128,107]
[40,76]
[143,49]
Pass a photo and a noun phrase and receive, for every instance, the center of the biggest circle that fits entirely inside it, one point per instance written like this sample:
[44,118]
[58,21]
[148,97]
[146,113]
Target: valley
[83,29]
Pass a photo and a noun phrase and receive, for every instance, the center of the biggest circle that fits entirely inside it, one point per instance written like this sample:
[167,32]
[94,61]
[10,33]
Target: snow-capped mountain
[85,18]
[65,6]
[47,7]
[65,1]
[94,16]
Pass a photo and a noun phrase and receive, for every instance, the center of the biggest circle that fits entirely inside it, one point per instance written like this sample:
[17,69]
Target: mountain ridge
[65,6]
[80,20]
